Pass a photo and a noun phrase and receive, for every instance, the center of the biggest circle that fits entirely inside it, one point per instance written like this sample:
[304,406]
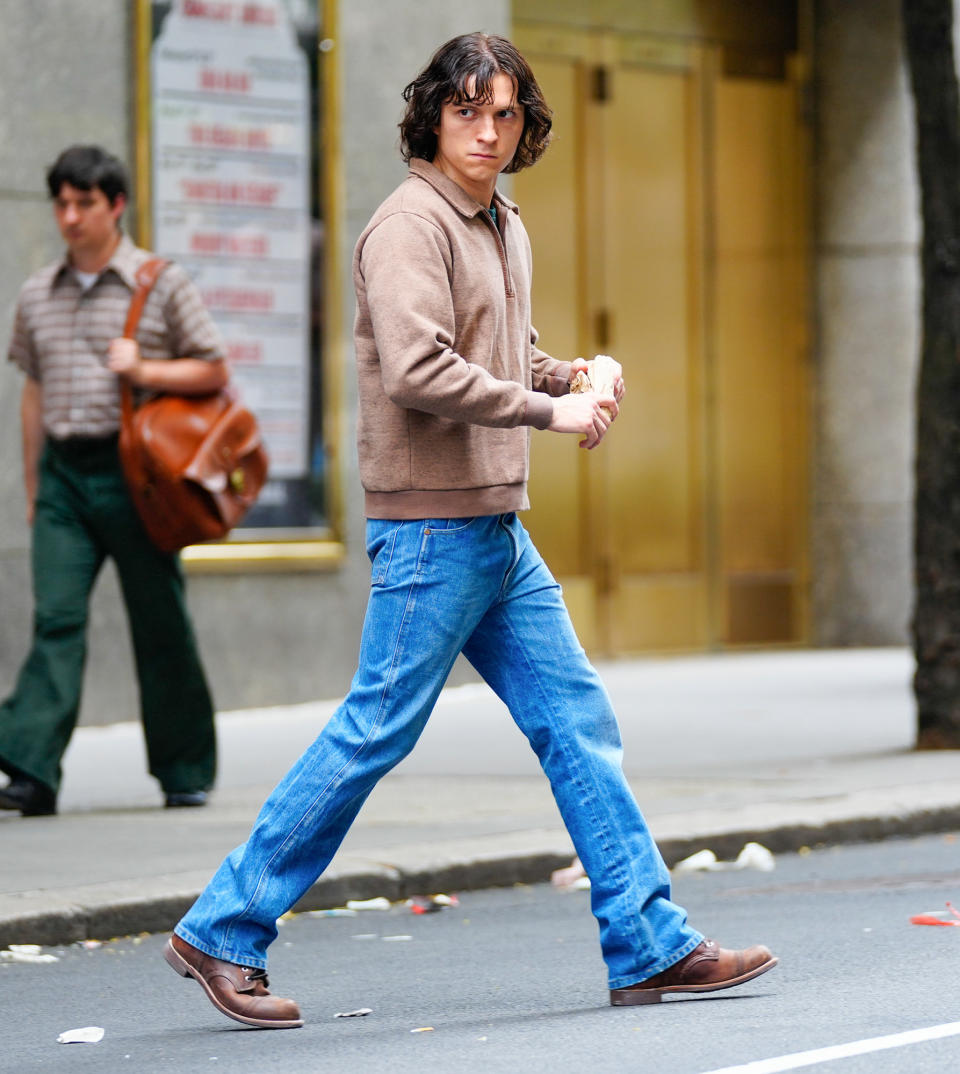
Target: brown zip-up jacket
[450,377]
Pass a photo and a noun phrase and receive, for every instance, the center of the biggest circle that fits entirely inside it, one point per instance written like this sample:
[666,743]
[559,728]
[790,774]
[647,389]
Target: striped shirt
[61,334]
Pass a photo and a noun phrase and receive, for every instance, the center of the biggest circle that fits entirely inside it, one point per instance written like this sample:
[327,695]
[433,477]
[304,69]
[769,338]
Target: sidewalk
[789,749]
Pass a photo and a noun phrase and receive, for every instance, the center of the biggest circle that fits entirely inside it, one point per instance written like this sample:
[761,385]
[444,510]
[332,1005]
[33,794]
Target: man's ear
[118,206]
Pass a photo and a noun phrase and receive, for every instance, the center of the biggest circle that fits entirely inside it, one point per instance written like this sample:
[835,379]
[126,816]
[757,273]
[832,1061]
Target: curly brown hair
[462,71]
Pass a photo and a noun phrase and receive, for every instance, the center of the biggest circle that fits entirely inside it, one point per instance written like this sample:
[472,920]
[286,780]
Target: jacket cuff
[562,373]
[539,411]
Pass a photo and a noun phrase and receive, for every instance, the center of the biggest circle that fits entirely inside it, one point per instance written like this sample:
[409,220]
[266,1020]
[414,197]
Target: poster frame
[320,548]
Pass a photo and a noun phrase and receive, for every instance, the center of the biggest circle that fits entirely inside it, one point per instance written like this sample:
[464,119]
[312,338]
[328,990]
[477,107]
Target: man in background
[67,341]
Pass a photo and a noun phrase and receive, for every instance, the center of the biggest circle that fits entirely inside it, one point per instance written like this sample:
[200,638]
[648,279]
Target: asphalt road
[512,981]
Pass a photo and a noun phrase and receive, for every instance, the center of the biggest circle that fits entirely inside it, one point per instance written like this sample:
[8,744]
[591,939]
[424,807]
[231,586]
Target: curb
[71,922]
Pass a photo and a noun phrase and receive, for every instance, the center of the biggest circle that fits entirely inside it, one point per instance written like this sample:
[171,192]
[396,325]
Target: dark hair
[477,57]
[87,167]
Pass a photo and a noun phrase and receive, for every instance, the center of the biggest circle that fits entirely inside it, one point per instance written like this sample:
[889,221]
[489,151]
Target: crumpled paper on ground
[380,903]
[27,952]
[753,856]
[573,878]
[86,1035]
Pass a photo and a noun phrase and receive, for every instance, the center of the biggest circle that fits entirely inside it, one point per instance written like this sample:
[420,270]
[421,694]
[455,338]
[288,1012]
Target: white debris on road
[86,1035]
[753,856]
[27,952]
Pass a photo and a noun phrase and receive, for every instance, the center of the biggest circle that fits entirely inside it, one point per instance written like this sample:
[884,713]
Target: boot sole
[638,997]
[181,966]
[26,811]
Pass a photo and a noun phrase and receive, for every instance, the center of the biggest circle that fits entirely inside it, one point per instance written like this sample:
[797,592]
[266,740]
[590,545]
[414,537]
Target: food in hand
[600,376]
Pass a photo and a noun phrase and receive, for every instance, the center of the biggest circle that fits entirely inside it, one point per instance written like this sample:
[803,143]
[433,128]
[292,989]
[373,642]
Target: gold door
[667,231]
[758,360]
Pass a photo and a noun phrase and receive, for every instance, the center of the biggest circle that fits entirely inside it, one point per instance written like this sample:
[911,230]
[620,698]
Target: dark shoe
[707,968]
[236,991]
[33,799]
[185,799]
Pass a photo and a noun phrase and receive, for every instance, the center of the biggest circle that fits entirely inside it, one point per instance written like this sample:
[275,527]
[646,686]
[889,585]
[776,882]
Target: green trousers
[84,514]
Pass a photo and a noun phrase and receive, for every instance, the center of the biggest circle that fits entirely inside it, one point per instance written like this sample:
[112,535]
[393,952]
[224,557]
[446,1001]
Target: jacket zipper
[501,250]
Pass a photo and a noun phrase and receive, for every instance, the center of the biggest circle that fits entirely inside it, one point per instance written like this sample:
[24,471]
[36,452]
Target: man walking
[66,339]
[450,383]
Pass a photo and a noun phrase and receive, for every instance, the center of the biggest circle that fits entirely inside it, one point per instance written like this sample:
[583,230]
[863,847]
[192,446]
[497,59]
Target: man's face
[475,141]
[87,220]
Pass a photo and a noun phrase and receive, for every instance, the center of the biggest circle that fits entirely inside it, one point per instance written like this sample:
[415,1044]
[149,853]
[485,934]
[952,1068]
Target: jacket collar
[454,194]
[124,262]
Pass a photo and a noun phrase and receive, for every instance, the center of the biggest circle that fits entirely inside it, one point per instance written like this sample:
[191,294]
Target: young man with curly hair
[450,383]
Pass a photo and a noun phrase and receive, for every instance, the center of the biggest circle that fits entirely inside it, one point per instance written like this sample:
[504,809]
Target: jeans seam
[589,797]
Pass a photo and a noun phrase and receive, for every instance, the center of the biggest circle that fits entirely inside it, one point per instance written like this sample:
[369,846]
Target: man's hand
[185,376]
[123,358]
[580,365]
[589,414]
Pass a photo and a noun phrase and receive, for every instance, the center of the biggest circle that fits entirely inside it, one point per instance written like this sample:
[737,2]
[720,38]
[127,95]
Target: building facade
[729,208]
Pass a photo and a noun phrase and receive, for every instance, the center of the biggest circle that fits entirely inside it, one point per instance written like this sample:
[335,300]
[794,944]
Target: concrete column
[866,275]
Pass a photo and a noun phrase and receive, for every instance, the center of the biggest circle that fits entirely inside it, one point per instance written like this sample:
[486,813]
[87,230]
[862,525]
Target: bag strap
[146,276]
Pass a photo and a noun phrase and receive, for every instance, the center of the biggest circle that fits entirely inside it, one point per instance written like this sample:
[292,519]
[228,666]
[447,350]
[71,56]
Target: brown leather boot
[239,992]
[707,968]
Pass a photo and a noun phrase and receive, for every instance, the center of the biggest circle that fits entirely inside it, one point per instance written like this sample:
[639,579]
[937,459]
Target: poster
[231,165]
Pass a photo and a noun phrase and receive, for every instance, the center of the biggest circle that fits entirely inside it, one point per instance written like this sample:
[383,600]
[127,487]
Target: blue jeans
[439,587]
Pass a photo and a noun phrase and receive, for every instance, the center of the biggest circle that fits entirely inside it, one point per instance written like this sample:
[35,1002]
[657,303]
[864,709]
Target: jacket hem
[446,503]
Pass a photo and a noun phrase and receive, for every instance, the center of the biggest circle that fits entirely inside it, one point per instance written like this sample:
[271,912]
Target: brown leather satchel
[194,464]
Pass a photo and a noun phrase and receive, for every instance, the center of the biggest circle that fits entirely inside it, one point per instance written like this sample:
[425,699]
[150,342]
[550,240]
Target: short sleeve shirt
[62,331]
